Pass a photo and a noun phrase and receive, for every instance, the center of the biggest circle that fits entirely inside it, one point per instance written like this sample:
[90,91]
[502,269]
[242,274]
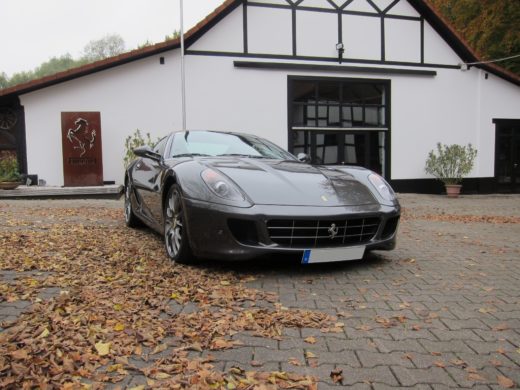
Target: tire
[176,238]
[131,219]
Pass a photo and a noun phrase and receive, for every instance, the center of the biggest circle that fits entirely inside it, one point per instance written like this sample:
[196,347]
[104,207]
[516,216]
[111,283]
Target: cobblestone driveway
[441,311]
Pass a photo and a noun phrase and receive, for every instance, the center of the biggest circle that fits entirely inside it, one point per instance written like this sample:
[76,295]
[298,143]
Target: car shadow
[291,265]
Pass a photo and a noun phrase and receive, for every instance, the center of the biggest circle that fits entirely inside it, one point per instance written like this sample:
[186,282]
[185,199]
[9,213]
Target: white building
[371,82]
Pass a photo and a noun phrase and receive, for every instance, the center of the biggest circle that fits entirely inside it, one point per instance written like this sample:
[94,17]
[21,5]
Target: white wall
[142,94]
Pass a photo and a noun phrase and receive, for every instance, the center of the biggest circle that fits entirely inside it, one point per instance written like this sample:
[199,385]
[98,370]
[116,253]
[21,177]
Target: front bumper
[233,233]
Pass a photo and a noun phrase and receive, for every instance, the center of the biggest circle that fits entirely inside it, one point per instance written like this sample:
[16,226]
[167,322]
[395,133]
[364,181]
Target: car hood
[275,182]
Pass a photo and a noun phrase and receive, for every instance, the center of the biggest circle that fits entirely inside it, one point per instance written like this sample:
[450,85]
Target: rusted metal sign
[82,151]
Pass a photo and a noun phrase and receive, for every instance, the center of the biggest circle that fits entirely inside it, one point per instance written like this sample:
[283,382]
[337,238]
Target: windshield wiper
[190,155]
[240,155]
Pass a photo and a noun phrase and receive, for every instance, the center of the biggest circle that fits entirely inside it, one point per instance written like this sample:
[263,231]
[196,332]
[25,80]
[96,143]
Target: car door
[147,175]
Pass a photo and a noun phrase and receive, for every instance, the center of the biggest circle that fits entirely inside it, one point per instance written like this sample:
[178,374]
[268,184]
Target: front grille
[295,233]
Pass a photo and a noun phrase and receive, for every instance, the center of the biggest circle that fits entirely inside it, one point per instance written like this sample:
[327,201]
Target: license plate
[332,254]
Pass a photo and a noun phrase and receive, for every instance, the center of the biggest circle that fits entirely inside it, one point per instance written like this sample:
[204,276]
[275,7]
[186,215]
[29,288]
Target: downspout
[183,75]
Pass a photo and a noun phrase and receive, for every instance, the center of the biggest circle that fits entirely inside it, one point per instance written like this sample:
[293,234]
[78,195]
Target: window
[341,121]
[345,104]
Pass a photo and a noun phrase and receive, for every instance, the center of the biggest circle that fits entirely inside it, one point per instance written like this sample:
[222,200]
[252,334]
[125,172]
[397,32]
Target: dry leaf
[476,377]
[310,340]
[337,376]
[505,381]
[295,362]
[500,327]
[102,349]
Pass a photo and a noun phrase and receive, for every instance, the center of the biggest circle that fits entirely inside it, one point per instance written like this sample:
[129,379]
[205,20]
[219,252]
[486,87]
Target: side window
[160,146]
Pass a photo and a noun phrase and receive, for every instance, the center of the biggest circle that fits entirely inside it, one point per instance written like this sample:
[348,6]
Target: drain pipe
[183,74]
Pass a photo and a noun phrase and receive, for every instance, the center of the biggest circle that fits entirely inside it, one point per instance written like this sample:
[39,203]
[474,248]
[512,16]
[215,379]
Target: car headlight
[220,185]
[382,187]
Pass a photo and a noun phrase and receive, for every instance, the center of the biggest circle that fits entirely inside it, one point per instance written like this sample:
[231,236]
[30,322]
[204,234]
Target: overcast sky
[33,31]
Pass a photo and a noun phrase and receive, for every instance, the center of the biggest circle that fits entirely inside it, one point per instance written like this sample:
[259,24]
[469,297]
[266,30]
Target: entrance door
[507,155]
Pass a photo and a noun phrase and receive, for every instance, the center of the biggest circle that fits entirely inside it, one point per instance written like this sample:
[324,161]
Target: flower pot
[453,190]
[9,185]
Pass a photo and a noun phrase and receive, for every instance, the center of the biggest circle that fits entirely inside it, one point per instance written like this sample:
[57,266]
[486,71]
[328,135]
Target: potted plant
[450,164]
[9,173]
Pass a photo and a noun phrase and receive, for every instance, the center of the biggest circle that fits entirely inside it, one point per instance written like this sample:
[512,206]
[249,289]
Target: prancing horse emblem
[333,231]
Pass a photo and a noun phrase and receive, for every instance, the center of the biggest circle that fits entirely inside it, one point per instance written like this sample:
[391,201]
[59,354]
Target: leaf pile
[493,219]
[120,302]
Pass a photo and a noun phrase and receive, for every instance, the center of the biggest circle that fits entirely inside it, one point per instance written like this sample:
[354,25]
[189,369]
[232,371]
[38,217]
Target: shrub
[134,141]
[450,163]
[9,170]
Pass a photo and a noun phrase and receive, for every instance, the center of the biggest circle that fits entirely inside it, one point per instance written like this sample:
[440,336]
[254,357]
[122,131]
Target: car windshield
[209,143]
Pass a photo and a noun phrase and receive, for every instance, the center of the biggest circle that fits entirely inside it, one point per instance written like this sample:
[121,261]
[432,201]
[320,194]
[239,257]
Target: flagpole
[183,75]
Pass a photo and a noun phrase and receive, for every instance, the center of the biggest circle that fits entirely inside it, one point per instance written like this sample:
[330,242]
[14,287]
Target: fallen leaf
[295,362]
[102,349]
[458,362]
[310,340]
[439,363]
[476,377]
[20,354]
[119,327]
[505,381]
[500,327]
[256,363]
[310,355]
[337,376]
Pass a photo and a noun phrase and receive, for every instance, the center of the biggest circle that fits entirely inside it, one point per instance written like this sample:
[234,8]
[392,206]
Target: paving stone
[275,355]
[415,376]
[293,343]
[380,374]
[429,360]
[464,334]
[253,341]
[445,346]
[386,346]
[347,358]
[480,361]
[486,347]
[373,359]
[379,386]
[336,345]
[485,376]
[465,324]
[406,334]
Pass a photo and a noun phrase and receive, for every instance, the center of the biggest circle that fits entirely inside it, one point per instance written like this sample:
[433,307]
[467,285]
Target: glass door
[507,155]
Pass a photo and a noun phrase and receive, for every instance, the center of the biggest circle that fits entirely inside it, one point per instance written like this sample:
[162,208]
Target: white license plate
[332,254]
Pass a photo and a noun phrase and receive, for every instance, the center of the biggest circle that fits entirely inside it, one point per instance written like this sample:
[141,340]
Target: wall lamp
[341,49]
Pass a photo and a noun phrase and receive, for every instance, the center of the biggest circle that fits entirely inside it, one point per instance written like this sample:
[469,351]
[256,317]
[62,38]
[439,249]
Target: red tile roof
[454,39]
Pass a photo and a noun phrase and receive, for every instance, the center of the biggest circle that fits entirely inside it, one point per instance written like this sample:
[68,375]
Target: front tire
[130,218]
[176,238]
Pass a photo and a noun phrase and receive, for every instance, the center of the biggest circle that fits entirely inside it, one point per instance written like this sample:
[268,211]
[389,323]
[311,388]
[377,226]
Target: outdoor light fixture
[341,49]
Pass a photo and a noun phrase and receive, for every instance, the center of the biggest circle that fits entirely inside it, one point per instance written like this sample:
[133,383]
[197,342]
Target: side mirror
[304,158]
[147,152]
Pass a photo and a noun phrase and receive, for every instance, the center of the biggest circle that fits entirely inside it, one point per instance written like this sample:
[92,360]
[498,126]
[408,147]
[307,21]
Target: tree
[489,26]
[4,80]
[108,46]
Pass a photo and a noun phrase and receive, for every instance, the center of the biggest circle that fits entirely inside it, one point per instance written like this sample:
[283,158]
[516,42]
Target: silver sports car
[216,195]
